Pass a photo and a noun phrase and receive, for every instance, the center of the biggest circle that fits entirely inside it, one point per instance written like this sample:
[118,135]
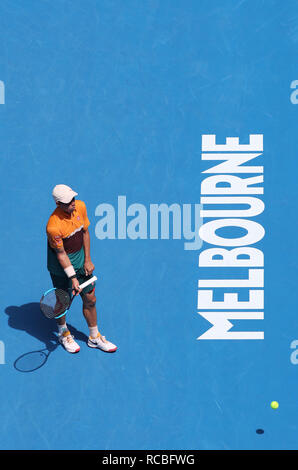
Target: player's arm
[88,265]
[67,267]
[63,258]
[86,244]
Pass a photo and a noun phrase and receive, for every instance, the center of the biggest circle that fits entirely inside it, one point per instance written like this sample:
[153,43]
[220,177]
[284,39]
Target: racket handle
[85,284]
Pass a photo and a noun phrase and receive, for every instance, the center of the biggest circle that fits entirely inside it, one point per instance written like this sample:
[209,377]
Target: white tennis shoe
[101,343]
[66,339]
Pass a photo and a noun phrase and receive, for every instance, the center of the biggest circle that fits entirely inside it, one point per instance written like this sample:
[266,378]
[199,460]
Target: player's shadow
[29,318]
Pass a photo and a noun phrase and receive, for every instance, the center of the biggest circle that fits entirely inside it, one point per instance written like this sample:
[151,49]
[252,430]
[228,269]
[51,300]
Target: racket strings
[54,303]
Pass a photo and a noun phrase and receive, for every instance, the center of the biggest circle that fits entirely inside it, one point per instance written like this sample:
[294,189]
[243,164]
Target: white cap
[63,193]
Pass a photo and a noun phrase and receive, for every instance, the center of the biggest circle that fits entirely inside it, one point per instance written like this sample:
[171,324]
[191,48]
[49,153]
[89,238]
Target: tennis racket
[56,302]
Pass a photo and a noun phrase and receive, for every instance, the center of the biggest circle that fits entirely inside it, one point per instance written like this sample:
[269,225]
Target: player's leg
[64,335]
[89,308]
[95,340]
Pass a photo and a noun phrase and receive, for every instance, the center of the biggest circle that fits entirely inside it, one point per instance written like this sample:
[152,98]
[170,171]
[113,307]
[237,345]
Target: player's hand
[88,267]
[75,286]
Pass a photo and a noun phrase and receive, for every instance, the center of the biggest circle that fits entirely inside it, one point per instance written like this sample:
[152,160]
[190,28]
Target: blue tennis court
[112,98]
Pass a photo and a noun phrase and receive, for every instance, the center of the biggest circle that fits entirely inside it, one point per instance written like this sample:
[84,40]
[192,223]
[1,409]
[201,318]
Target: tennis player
[69,263]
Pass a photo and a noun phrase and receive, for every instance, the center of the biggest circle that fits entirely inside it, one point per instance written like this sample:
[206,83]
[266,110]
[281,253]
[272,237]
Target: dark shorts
[62,282]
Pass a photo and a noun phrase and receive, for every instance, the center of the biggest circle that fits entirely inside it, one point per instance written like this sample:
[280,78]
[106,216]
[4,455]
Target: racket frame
[81,286]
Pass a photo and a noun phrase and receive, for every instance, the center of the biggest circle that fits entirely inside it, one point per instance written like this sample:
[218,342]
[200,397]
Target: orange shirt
[66,231]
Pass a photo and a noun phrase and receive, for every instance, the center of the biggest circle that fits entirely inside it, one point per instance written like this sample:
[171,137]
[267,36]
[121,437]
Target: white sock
[93,331]
[62,328]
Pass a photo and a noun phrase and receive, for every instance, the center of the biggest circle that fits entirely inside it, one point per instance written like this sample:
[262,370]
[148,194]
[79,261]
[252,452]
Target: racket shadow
[33,360]
[29,318]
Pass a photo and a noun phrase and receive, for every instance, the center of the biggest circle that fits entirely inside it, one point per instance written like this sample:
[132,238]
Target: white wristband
[69,271]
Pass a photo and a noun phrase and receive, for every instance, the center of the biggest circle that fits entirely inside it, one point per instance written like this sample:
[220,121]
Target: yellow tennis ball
[274,405]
